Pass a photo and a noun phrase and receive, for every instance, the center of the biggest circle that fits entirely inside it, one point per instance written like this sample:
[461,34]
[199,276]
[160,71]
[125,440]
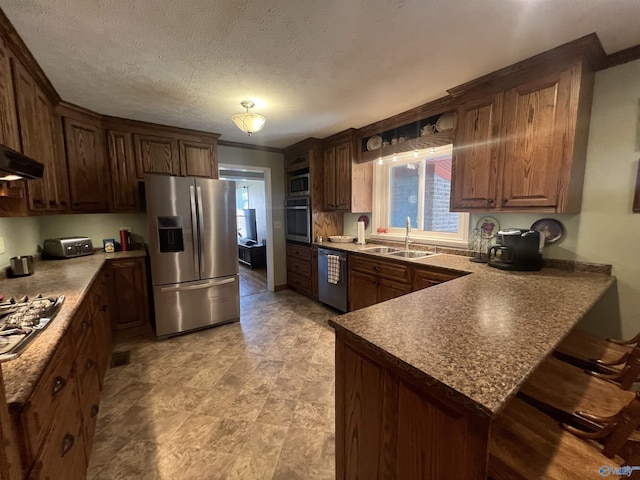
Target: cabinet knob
[377,269]
[85,324]
[94,410]
[90,364]
[67,443]
[490,201]
[103,308]
[504,201]
[58,384]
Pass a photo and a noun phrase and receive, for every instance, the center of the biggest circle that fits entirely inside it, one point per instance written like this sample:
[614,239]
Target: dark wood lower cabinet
[390,425]
[128,294]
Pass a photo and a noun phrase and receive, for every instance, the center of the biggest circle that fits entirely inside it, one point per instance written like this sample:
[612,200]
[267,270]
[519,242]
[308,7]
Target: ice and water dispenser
[170,234]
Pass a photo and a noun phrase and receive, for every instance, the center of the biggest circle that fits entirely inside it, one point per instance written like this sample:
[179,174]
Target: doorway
[253,214]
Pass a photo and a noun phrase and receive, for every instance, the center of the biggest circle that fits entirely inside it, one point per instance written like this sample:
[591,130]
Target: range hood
[16,166]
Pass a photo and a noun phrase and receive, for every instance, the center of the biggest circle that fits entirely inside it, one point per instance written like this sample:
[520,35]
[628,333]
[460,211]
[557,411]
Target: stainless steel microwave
[298,185]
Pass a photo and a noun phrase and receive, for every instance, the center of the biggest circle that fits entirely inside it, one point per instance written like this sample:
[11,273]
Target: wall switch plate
[2,249]
[277,224]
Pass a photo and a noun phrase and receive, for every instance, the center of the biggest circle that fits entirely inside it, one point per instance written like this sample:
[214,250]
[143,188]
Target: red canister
[125,237]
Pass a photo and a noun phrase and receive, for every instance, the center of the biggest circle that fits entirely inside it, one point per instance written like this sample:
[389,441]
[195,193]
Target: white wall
[20,236]
[275,162]
[97,226]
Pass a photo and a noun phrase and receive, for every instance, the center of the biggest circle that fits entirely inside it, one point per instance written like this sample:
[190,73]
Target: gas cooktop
[22,319]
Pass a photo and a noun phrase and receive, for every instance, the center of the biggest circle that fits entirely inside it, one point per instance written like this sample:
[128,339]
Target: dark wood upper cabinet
[38,136]
[9,134]
[524,149]
[477,154]
[348,185]
[155,154]
[88,182]
[124,192]
[198,159]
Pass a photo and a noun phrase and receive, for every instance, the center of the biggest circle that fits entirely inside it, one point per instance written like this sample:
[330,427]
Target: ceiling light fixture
[249,122]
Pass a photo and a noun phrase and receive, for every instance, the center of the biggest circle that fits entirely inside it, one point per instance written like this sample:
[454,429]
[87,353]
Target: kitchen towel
[361,240]
[333,272]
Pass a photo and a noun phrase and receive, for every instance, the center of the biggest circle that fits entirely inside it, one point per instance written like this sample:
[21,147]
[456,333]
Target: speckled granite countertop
[478,337]
[69,277]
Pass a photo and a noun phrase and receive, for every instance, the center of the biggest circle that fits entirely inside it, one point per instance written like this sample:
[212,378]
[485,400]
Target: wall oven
[298,219]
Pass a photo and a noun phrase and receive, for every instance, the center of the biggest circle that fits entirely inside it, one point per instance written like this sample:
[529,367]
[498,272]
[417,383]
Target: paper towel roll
[361,240]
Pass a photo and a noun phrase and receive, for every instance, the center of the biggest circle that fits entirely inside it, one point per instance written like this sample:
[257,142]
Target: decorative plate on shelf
[488,226]
[341,239]
[552,229]
[374,142]
[444,122]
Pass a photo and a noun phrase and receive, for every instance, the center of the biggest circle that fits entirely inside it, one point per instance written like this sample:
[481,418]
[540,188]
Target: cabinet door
[538,128]
[25,90]
[342,195]
[388,289]
[198,159]
[362,290]
[476,154]
[124,184]
[156,155]
[87,169]
[329,170]
[61,181]
[9,135]
[128,295]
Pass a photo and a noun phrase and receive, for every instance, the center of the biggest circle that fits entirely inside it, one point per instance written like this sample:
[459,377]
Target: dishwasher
[333,294]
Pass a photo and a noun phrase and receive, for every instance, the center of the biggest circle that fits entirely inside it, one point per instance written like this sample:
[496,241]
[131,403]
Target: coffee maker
[517,249]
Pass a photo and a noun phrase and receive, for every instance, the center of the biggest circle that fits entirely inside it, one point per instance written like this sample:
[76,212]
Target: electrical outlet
[2,249]
[128,229]
[277,224]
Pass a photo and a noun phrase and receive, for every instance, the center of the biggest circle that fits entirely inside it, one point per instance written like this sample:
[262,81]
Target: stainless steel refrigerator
[193,249]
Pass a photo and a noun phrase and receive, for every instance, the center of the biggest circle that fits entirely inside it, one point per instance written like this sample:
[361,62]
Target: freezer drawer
[190,306]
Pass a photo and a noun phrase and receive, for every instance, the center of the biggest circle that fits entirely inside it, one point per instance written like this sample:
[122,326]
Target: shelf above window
[437,139]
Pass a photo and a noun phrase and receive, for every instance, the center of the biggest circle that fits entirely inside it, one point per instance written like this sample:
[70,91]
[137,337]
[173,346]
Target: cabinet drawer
[424,278]
[394,271]
[298,282]
[82,324]
[299,267]
[49,396]
[298,251]
[87,374]
[62,454]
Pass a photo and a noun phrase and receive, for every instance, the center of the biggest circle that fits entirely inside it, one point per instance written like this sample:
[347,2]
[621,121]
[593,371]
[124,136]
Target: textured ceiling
[313,68]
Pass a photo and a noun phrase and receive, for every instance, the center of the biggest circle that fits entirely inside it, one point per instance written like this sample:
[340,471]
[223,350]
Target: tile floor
[248,400]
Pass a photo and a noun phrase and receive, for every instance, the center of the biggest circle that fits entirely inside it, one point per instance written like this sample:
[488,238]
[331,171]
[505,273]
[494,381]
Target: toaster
[67,247]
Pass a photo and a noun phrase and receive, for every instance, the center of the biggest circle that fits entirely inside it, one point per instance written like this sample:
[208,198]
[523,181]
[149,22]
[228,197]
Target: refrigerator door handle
[179,288]
[201,229]
[194,228]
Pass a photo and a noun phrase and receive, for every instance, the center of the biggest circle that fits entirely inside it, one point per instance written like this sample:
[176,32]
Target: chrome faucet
[406,237]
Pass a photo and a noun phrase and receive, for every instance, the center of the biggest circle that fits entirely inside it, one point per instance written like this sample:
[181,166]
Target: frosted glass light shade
[249,122]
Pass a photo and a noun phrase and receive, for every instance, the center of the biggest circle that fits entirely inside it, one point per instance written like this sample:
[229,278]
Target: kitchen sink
[410,254]
[380,250]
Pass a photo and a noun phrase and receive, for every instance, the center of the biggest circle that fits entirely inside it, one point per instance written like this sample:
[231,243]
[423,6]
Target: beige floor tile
[318,391]
[264,440]
[194,432]
[228,436]
[253,468]
[208,465]
[303,447]
[277,411]
[310,416]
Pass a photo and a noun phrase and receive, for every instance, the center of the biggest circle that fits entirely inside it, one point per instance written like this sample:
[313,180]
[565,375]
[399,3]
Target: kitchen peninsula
[420,378]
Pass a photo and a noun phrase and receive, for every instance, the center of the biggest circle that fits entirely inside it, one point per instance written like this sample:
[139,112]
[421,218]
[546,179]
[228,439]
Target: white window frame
[380,213]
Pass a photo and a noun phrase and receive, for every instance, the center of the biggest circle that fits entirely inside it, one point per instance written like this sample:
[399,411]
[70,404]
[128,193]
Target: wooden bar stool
[526,444]
[588,347]
[566,388]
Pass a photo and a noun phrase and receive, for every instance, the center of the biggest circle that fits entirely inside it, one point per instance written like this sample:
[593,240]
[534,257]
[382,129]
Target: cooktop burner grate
[22,319]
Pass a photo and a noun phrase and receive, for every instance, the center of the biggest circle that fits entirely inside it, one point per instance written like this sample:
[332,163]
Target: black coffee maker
[517,249]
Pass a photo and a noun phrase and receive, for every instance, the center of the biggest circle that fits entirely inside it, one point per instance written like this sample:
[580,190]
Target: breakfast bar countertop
[69,277]
[476,338]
